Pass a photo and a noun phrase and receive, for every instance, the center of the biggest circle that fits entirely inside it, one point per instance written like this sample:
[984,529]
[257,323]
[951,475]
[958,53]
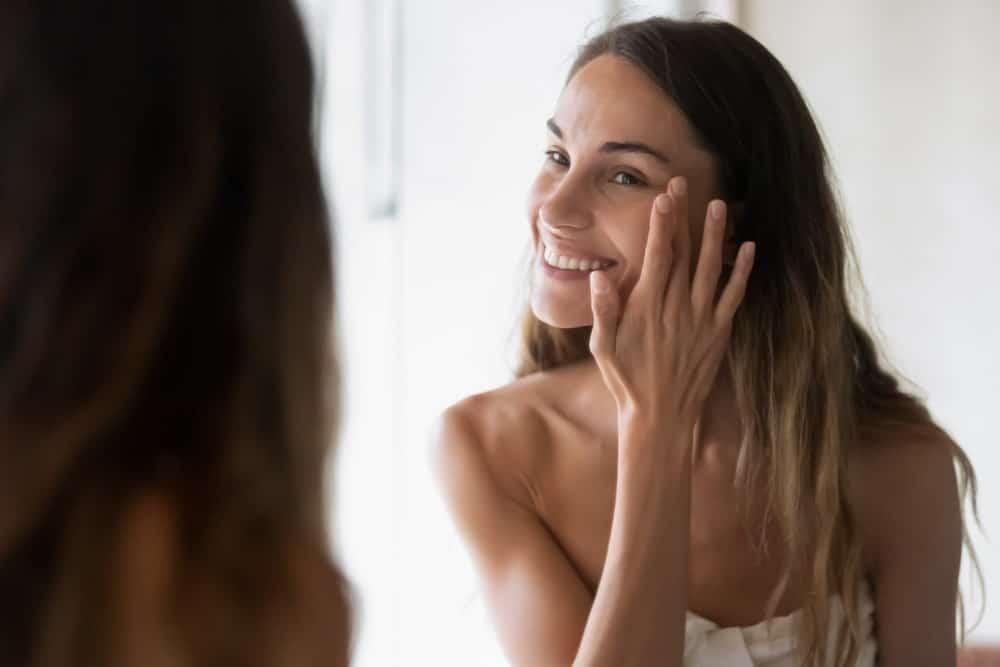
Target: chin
[561,315]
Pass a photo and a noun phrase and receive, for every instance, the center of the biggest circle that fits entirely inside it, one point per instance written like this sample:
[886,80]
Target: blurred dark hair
[166,298]
[807,375]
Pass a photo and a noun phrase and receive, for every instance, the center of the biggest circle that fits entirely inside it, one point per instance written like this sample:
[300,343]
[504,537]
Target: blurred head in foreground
[166,367]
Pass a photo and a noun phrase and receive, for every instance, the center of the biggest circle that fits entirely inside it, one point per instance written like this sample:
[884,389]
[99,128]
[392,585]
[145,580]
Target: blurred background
[433,127]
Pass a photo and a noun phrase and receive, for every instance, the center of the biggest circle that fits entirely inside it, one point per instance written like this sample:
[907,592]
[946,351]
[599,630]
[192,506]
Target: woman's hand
[660,354]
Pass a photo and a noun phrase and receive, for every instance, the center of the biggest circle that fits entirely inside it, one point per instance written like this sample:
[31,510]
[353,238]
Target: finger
[679,282]
[604,303]
[732,295]
[658,256]
[706,277]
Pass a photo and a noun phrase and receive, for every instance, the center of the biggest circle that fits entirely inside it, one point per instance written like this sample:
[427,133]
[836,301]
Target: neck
[718,431]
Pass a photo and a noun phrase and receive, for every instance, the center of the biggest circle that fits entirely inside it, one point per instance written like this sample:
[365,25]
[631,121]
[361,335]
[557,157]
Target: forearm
[639,608]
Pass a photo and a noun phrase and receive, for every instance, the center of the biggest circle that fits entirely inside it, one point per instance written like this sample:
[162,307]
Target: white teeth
[571,263]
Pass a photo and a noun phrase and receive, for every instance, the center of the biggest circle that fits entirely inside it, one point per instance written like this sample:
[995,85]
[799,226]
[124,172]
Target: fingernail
[663,203]
[751,250]
[679,185]
[599,282]
[717,209]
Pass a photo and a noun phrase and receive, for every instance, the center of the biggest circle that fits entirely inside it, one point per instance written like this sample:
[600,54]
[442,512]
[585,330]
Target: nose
[566,208]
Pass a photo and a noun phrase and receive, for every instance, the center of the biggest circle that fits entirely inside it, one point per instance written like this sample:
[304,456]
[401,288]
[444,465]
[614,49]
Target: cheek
[636,253]
[534,201]
[629,235]
[538,194]
[539,191]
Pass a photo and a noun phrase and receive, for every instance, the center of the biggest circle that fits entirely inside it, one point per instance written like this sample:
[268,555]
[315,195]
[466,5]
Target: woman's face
[615,142]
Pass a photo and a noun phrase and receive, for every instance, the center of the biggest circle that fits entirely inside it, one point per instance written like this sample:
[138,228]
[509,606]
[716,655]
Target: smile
[566,262]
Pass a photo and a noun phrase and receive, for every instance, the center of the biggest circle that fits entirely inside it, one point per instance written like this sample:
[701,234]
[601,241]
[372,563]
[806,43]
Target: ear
[730,245]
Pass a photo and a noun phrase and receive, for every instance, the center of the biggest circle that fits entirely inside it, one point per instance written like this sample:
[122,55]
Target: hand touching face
[614,143]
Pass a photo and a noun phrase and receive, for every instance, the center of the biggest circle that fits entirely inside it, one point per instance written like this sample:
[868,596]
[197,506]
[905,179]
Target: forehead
[610,99]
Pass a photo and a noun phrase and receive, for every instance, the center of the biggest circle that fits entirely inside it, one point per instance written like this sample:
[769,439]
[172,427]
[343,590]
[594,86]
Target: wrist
[647,439]
[640,422]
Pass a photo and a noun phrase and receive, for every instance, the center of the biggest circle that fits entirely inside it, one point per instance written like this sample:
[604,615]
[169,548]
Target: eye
[557,157]
[625,178]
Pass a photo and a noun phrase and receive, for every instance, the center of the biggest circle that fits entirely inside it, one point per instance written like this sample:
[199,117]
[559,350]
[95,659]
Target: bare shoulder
[501,433]
[904,495]
[309,626]
[905,463]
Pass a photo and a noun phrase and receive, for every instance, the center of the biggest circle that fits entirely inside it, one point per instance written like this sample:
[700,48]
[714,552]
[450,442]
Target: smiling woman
[608,164]
[700,435]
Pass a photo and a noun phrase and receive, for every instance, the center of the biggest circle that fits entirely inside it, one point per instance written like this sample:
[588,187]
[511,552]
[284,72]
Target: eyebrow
[617,146]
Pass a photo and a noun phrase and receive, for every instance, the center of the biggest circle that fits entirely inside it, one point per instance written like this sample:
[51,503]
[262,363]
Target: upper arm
[911,517]
[537,600]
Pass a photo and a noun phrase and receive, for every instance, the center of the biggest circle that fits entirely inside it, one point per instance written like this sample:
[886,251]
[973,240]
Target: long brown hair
[166,294]
[807,374]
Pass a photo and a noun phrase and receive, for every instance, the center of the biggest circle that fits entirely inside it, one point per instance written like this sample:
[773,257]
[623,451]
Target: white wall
[907,92]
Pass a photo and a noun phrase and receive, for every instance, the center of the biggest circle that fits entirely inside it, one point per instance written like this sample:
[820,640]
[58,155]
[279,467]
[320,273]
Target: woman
[166,376]
[700,436]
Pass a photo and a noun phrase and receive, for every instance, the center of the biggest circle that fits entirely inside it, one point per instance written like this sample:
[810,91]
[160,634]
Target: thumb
[604,303]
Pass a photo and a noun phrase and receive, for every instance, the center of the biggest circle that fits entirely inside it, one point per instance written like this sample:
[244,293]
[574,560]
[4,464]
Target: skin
[149,601]
[597,500]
